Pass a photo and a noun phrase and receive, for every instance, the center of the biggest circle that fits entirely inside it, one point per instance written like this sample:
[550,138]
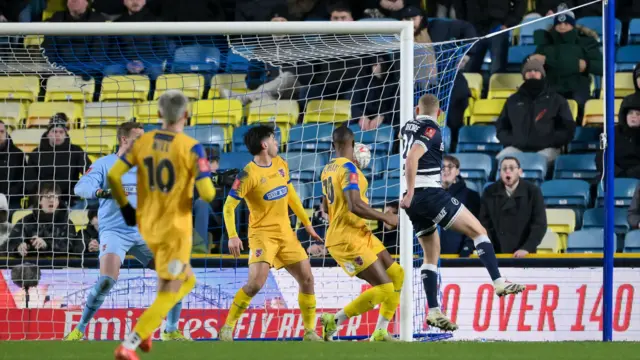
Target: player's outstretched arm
[115,184]
[363,210]
[90,184]
[411,170]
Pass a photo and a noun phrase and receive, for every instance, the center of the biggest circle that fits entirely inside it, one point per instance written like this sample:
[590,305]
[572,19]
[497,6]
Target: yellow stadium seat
[19,88]
[594,112]
[624,85]
[327,111]
[39,113]
[19,215]
[12,113]
[475,82]
[127,87]
[284,113]
[550,244]
[79,218]
[501,86]
[107,113]
[486,111]
[235,82]
[561,222]
[69,88]
[27,139]
[573,106]
[191,85]
[147,112]
[219,112]
[98,141]
[33,40]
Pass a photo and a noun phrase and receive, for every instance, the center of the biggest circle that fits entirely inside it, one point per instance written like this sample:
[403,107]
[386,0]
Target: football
[361,155]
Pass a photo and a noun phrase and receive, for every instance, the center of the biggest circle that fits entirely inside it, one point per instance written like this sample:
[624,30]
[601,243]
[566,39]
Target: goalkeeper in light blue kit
[116,238]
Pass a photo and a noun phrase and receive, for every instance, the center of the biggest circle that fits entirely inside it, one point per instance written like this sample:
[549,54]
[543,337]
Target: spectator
[535,118]
[254,10]
[77,11]
[513,212]
[5,225]
[192,10]
[319,221]
[109,8]
[11,169]
[489,16]
[56,159]
[570,53]
[15,11]
[387,8]
[633,214]
[47,230]
[90,234]
[452,242]
[307,9]
[627,9]
[550,7]
[374,100]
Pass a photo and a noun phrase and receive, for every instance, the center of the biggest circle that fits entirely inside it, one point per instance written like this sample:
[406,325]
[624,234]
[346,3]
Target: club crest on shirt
[358,261]
[430,132]
[281,172]
[258,252]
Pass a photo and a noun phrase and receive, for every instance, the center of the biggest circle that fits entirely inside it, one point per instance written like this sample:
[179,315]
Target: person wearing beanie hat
[565,19]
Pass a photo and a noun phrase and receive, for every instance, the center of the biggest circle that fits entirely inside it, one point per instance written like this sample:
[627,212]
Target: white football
[361,155]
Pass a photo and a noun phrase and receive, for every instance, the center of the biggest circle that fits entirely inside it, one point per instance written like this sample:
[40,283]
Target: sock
[368,299]
[429,274]
[308,310]
[95,299]
[487,256]
[389,306]
[132,341]
[240,303]
[341,317]
[173,318]
[153,316]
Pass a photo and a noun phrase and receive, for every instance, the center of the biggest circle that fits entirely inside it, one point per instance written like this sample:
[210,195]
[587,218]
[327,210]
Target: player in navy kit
[429,205]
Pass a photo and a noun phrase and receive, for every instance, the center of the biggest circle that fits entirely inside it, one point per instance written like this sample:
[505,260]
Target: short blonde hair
[172,106]
[429,104]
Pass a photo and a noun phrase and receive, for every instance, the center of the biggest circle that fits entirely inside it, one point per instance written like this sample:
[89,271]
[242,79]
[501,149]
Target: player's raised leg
[388,306]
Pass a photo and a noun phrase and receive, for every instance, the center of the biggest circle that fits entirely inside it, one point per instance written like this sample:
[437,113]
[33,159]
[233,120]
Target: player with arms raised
[265,186]
[429,205]
[116,237]
[169,163]
[352,244]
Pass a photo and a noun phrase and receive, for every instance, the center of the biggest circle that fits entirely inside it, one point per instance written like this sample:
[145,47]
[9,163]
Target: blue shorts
[431,207]
[112,242]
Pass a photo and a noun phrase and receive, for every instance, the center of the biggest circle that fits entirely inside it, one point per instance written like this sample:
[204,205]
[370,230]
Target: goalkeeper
[116,238]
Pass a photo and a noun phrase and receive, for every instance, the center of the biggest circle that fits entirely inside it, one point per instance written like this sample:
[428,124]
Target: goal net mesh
[305,85]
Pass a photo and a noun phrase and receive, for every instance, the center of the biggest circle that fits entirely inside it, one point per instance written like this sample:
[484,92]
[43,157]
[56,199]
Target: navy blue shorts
[431,207]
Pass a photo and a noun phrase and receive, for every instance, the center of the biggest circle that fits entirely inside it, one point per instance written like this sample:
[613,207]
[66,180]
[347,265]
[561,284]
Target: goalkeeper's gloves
[103,193]
[129,214]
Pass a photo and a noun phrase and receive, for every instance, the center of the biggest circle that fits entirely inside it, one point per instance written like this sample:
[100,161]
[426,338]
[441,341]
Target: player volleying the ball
[429,205]
[169,164]
[352,244]
[116,237]
[265,186]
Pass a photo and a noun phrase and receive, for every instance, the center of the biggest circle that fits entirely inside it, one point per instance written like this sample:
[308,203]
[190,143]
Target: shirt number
[407,143]
[161,176]
[327,188]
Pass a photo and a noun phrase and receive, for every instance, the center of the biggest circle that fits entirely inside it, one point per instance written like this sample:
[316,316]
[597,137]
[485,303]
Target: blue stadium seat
[594,218]
[237,141]
[632,242]
[377,168]
[627,57]
[575,166]
[207,135]
[236,63]
[379,140]
[586,139]
[472,186]
[235,160]
[151,127]
[475,167]
[527,30]
[446,138]
[533,165]
[305,193]
[568,193]
[586,241]
[595,23]
[394,167]
[317,194]
[305,166]
[383,191]
[196,58]
[310,137]
[478,139]
[517,54]
[486,185]
[634,31]
[623,190]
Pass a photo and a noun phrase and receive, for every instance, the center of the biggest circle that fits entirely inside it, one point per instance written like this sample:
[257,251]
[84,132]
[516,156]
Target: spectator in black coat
[5,225]
[90,235]
[375,96]
[513,212]
[452,242]
[11,169]
[535,118]
[56,159]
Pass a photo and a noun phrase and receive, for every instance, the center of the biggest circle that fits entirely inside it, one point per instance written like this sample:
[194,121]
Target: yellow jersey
[168,164]
[338,176]
[265,190]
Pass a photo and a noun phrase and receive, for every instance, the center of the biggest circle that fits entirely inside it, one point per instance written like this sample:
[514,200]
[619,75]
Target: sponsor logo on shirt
[130,189]
[275,194]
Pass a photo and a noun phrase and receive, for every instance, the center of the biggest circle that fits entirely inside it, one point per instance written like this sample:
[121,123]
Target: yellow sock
[368,300]
[308,310]
[389,306]
[153,316]
[187,286]
[240,303]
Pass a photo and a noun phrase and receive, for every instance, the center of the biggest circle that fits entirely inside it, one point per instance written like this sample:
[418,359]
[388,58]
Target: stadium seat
[79,218]
[191,85]
[595,23]
[235,82]
[234,160]
[594,218]
[125,88]
[237,141]
[379,140]
[625,84]
[310,137]
[284,113]
[486,111]
[383,191]
[527,30]
[196,59]
[475,167]
[585,139]
[376,169]
[550,244]
[147,112]
[627,57]
[95,141]
[107,113]
[393,167]
[586,241]
[19,88]
[27,139]
[226,113]
[151,127]
[327,111]
[566,193]
[561,221]
[478,139]
[573,106]
[305,193]
[634,31]
[446,138]
[501,86]
[575,166]
[623,190]
[304,166]
[208,135]
[236,63]
[517,55]
[632,242]
[533,165]
[69,88]
[317,194]
[39,113]
[13,113]
[594,112]
[475,82]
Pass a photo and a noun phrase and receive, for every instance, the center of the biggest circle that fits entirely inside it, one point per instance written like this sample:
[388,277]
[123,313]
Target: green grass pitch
[103,350]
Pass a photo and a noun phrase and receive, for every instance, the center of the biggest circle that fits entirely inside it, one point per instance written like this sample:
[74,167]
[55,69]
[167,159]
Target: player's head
[49,197]
[429,105]
[450,170]
[127,133]
[343,141]
[172,108]
[510,171]
[261,138]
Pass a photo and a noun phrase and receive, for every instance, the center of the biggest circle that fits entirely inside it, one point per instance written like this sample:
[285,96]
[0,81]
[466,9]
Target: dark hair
[510,158]
[49,188]
[340,7]
[124,129]
[255,136]
[342,136]
[452,159]
[92,213]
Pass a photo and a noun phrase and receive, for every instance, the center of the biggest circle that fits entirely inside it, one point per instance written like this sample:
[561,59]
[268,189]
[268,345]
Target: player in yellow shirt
[352,244]
[265,186]
[169,163]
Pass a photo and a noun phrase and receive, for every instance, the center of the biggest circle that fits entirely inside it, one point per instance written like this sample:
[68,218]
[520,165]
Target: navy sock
[430,283]
[487,256]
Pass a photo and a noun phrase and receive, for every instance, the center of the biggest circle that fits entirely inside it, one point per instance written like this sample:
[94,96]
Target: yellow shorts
[358,253]
[277,250]
[172,257]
